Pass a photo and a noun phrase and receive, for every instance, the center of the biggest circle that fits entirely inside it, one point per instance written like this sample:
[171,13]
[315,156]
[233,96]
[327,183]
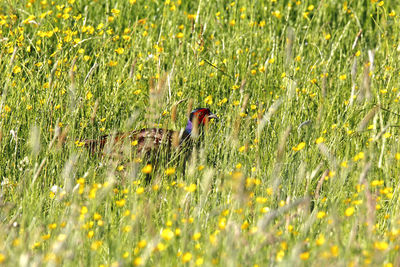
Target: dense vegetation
[301,169]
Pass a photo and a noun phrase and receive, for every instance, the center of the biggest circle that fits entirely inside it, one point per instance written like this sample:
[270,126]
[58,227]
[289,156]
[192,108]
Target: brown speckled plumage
[147,140]
[150,140]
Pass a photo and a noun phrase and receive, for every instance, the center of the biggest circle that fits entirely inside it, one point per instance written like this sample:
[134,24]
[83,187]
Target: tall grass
[301,169]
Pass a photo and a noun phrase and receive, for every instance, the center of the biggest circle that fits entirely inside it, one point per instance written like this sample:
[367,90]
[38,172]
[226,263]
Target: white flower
[55,189]
[5,182]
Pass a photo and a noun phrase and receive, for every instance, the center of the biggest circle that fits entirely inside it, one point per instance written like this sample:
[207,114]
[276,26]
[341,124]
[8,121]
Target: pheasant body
[149,140]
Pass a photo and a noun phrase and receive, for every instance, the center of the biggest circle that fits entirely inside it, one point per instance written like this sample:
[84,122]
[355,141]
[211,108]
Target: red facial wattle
[202,115]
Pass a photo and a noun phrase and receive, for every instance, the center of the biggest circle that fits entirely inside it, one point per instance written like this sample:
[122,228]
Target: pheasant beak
[212,116]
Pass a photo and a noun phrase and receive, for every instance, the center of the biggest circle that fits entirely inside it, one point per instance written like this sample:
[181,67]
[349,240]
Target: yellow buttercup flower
[167,234]
[191,188]
[381,245]
[349,211]
[170,171]
[147,169]
[208,100]
[186,257]
[304,256]
[138,261]
[299,147]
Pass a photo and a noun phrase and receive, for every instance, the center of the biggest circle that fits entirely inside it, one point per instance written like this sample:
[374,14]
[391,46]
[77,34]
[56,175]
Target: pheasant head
[198,118]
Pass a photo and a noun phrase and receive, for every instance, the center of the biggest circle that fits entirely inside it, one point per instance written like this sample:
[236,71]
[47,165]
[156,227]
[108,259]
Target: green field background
[301,169]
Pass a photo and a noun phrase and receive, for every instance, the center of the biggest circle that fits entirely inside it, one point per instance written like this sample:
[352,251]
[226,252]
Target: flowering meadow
[302,168]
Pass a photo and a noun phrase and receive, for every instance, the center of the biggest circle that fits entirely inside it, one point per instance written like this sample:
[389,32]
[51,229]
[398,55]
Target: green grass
[301,169]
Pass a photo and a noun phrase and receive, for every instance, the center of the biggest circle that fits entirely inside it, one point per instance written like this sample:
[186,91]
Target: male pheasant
[151,140]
